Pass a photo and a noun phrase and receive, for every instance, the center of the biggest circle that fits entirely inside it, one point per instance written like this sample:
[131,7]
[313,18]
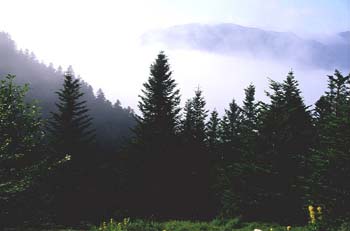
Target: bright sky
[100,37]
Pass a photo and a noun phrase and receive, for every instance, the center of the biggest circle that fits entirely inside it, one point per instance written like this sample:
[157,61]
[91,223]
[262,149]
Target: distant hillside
[112,121]
[232,39]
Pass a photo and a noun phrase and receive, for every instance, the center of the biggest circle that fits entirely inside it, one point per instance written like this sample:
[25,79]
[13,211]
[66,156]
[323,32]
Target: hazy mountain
[112,121]
[232,39]
[345,35]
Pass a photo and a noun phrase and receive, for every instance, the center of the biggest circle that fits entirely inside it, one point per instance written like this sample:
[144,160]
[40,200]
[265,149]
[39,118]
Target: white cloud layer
[101,40]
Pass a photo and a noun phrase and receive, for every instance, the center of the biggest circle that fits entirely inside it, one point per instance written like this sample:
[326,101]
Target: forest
[68,157]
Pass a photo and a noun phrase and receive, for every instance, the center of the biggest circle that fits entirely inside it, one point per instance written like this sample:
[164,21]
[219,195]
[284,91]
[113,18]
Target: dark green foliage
[285,142]
[160,101]
[24,159]
[228,174]
[71,136]
[71,125]
[261,161]
[194,129]
[21,135]
[155,142]
[331,158]
[239,169]
[247,167]
[230,124]
[213,139]
[196,155]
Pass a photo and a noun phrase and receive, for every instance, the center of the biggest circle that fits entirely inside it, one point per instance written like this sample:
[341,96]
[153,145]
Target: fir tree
[247,167]
[196,156]
[188,122]
[159,104]
[71,135]
[213,135]
[230,126]
[285,144]
[71,124]
[195,115]
[331,159]
[249,124]
[228,168]
[155,141]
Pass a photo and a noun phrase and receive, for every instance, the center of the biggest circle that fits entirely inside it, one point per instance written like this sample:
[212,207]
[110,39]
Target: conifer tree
[213,135]
[248,166]
[249,125]
[285,144]
[71,125]
[196,155]
[230,126]
[70,134]
[228,174]
[159,104]
[188,122]
[195,115]
[155,142]
[331,159]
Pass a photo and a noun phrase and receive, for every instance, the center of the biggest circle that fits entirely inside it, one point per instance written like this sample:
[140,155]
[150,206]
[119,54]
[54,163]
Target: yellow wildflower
[289,227]
[312,214]
[311,208]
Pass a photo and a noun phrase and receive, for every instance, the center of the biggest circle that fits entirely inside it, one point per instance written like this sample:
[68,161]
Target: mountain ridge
[234,39]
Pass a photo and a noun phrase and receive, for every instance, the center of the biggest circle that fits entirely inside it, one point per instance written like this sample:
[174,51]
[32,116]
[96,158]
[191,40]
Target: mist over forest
[112,120]
[184,125]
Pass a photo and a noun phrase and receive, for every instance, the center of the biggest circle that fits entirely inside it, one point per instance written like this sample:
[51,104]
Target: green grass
[174,225]
[215,225]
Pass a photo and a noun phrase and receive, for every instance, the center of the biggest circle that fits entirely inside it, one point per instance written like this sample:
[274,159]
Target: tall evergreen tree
[214,143]
[249,124]
[156,139]
[196,156]
[195,115]
[331,159]
[71,134]
[159,104]
[285,143]
[213,135]
[71,124]
[230,125]
[247,168]
[228,168]
[188,122]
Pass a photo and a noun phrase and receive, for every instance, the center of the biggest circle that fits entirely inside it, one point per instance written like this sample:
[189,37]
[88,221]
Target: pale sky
[100,39]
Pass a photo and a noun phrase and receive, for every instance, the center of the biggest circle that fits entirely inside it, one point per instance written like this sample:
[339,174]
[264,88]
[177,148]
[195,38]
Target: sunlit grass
[174,225]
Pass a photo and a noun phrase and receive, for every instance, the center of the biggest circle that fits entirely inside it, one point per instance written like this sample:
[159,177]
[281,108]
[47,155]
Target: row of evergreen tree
[261,161]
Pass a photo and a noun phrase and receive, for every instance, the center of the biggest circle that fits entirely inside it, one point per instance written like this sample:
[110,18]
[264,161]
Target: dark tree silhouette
[71,135]
[331,157]
[155,139]
[286,140]
[71,125]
